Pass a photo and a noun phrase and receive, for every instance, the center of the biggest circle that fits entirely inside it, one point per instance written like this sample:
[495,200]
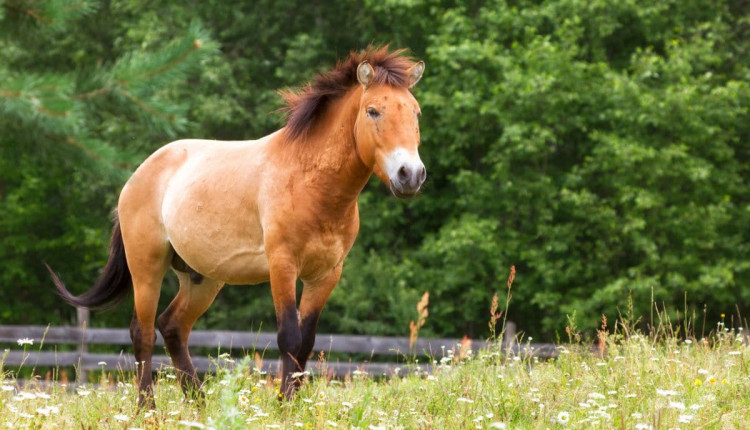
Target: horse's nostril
[422,174]
[403,174]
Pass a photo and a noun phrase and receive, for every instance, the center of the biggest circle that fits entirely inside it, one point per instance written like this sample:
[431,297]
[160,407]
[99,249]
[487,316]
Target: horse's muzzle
[408,181]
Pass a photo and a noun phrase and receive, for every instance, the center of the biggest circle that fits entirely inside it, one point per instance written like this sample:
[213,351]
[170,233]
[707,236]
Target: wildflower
[688,341]
[703,371]
[102,363]
[8,388]
[25,341]
[464,400]
[677,405]
[666,392]
[723,381]
[497,425]
[563,417]
[121,417]
[735,352]
[83,392]
[685,419]
[596,396]
[24,396]
[331,423]
[431,378]
[643,427]
[244,401]
[711,380]
[698,383]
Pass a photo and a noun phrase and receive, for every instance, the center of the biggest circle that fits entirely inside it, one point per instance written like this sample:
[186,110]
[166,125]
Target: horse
[280,208]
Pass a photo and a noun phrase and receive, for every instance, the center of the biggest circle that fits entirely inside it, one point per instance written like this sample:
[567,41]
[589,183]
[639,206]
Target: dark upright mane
[305,105]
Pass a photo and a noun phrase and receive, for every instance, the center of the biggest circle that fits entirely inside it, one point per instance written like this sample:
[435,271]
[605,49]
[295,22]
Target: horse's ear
[365,73]
[415,73]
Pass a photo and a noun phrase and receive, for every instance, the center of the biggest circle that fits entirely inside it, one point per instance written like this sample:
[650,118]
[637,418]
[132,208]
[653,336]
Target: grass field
[640,382]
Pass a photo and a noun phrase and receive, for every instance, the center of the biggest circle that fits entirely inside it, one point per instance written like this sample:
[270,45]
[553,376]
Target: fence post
[83,316]
[509,336]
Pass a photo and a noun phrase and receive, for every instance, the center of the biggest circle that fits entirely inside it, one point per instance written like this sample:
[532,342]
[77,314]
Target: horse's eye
[373,113]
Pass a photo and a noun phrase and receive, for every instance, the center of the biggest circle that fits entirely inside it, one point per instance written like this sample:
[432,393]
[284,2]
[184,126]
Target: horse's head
[387,130]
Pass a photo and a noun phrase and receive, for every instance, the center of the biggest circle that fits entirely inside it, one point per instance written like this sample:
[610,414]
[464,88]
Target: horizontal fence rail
[226,341]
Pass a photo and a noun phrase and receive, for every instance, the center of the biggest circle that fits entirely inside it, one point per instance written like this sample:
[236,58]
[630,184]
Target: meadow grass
[633,381]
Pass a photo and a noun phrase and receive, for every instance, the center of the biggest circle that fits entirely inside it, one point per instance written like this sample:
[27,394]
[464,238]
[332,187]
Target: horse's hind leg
[195,296]
[148,255]
[148,273]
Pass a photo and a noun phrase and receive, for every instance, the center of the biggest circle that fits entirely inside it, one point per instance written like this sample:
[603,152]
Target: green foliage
[600,147]
[66,144]
[594,175]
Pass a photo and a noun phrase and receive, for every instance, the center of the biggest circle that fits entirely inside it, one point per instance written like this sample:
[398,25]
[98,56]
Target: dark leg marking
[290,340]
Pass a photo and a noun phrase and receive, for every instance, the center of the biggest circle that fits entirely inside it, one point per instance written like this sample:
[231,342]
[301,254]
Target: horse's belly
[226,259]
[240,267]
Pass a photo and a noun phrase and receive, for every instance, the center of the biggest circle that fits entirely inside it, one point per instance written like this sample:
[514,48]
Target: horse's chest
[322,252]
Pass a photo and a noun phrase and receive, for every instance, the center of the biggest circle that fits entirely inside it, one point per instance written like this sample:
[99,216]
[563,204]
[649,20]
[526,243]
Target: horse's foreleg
[176,322]
[314,297]
[283,290]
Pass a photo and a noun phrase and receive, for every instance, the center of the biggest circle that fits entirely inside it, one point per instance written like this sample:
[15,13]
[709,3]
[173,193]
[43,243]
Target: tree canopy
[600,147]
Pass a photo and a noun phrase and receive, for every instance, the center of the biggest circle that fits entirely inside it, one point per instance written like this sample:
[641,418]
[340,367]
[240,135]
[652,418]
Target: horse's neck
[327,156]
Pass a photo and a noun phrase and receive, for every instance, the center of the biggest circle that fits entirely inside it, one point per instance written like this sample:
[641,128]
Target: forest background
[601,147]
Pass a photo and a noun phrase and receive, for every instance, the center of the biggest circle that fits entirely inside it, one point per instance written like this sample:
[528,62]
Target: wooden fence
[396,348]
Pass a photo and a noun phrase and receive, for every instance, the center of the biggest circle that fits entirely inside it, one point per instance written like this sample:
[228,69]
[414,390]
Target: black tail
[113,284]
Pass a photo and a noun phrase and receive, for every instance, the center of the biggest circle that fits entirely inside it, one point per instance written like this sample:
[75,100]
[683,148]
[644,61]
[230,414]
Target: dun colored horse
[278,208]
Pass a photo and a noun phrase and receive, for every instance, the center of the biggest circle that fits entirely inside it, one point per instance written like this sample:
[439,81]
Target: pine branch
[40,100]
[49,14]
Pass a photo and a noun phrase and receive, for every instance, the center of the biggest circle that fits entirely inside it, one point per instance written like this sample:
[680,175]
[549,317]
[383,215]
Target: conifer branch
[37,16]
[93,93]
[78,145]
[196,45]
[145,106]
[10,93]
